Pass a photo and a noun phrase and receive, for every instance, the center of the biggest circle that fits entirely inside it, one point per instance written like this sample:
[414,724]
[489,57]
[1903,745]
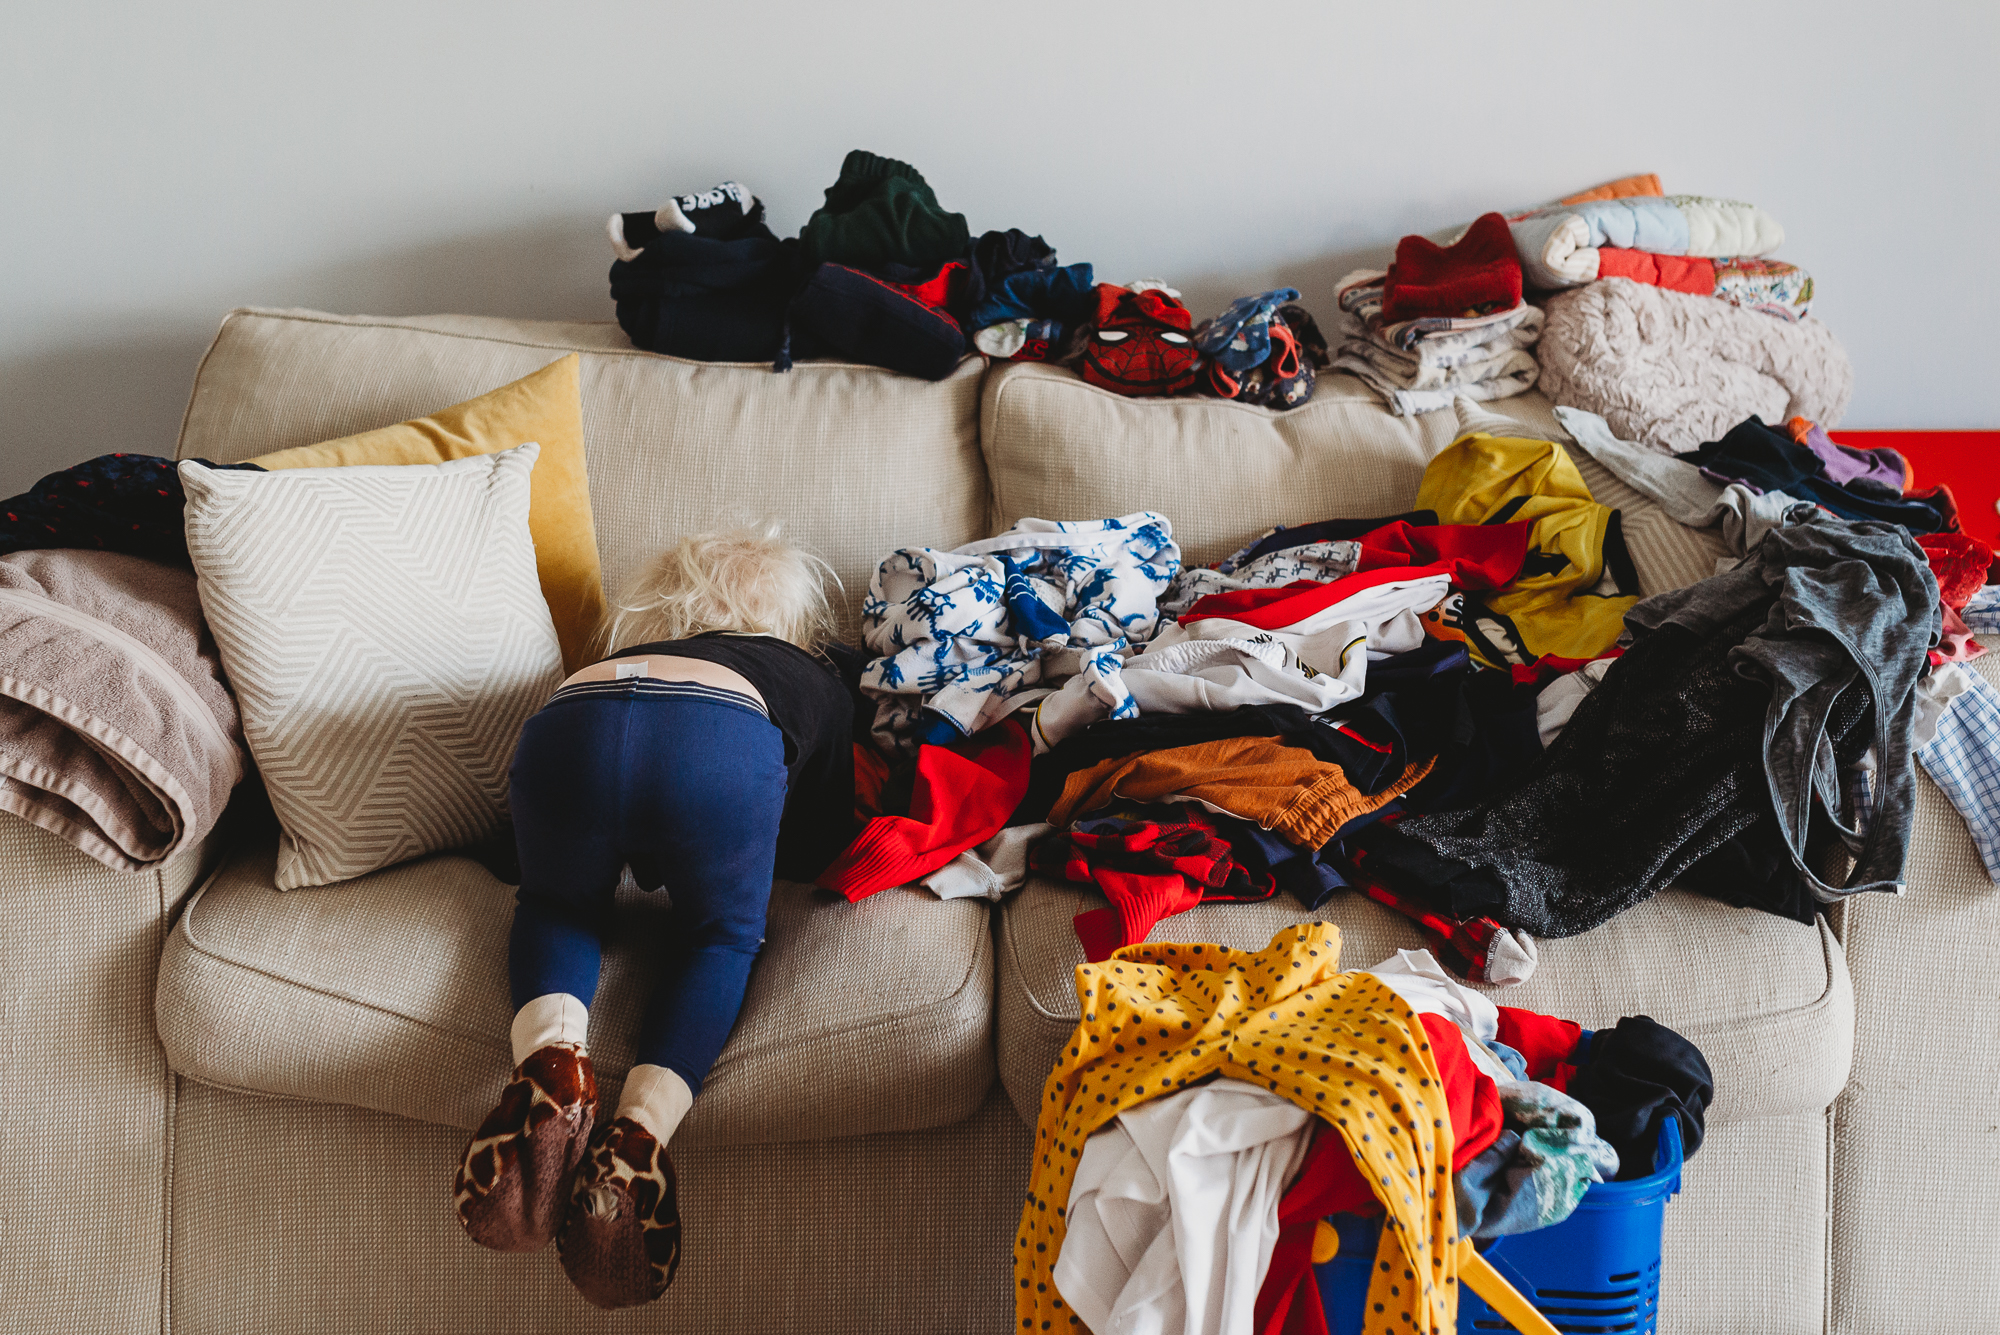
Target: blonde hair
[750,580]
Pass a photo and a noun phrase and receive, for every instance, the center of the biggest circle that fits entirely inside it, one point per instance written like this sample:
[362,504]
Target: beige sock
[656,1098]
[556,1017]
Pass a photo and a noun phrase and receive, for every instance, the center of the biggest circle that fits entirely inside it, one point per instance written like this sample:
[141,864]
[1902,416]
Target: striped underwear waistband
[652,688]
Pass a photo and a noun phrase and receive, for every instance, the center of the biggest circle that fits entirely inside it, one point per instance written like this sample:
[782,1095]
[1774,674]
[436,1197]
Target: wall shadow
[123,392]
[1209,294]
[124,387]
[108,386]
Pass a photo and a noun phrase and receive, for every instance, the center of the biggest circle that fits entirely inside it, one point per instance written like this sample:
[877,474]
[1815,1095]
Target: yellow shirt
[1577,584]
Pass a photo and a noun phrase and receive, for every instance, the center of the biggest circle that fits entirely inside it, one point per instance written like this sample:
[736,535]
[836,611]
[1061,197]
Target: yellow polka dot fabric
[1161,1016]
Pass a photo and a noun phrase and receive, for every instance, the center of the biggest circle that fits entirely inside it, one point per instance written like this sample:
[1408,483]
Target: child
[710,752]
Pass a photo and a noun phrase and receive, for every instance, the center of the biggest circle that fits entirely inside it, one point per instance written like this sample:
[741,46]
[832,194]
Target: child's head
[749,580]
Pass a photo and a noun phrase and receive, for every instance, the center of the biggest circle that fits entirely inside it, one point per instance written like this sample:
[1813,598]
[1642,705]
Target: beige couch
[246,1104]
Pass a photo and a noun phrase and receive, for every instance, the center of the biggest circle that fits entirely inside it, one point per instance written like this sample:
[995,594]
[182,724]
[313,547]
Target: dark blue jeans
[685,783]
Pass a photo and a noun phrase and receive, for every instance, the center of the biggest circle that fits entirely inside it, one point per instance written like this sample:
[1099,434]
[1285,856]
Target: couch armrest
[86,1142]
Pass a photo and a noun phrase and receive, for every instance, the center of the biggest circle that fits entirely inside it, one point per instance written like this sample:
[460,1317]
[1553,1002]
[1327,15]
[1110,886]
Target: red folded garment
[1137,902]
[963,796]
[1960,562]
[1547,1044]
[1479,275]
[1478,556]
[1676,273]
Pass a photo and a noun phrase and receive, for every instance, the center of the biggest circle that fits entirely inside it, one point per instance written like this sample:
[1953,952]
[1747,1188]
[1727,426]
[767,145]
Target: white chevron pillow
[384,631]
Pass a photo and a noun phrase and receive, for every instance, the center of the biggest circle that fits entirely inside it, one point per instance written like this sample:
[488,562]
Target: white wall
[163,163]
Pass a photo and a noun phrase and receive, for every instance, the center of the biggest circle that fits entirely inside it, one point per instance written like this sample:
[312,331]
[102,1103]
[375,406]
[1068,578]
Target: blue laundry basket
[1595,1273]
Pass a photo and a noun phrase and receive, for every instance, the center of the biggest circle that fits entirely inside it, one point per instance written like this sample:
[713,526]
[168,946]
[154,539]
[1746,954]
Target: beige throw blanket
[1673,370]
[116,731]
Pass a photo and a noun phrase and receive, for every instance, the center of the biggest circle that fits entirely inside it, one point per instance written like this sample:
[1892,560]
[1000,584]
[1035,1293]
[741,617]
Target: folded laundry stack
[1631,229]
[1440,323]
[1667,354]
[1654,238]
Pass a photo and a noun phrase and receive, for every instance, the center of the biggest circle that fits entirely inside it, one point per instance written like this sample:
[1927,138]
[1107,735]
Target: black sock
[715,212]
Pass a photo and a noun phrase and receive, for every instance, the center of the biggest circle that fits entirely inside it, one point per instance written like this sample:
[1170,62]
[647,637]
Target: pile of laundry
[883,274]
[1465,712]
[1191,1182]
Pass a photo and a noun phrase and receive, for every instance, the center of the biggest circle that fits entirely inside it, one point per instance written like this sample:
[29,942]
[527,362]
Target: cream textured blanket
[116,731]
[1674,370]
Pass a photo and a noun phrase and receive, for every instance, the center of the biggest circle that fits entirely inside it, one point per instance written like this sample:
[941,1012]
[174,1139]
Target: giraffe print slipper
[514,1180]
[621,1240]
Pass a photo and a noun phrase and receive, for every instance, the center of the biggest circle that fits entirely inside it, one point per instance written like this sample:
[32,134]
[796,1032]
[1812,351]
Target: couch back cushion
[857,460]
[1058,448]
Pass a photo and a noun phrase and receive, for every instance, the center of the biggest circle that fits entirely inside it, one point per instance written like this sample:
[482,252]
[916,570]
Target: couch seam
[180,438]
[1020,972]
[391,322]
[171,1104]
[207,1082]
[186,929]
[1818,1003]
[1826,1226]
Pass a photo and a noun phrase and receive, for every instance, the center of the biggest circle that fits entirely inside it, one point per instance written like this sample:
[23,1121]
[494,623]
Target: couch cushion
[1767,1000]
[1058,448]
[390,992]
[857,459]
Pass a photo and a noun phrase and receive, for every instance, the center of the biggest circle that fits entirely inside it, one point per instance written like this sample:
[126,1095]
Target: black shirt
[811,707]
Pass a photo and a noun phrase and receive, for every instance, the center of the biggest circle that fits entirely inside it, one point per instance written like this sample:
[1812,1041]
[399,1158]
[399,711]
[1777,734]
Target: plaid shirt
[1963,760]
[1483,949]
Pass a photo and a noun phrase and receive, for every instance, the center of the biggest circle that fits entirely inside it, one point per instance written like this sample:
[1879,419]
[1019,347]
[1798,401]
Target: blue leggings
[686,783]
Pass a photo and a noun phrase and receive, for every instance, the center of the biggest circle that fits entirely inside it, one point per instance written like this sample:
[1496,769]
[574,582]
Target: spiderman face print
[1140,344]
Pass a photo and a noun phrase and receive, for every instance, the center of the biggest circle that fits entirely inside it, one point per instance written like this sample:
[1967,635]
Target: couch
[249,1103]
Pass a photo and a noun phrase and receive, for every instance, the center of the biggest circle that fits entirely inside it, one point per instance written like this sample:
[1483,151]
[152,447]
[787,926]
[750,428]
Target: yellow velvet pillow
[547,408]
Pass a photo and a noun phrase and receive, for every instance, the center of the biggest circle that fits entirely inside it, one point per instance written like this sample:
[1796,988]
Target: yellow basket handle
[1478,1273]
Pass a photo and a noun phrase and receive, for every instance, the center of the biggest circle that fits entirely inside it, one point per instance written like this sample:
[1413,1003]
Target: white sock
[555,1017]
[656,1098]
[616,227]
[671,219]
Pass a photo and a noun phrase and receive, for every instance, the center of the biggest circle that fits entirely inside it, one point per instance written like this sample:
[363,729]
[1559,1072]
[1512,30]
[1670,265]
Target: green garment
[881,212]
